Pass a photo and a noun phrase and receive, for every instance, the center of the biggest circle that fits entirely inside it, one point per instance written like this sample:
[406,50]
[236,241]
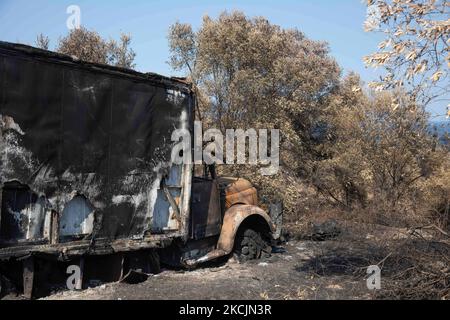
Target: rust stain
[233,219]
[238,191]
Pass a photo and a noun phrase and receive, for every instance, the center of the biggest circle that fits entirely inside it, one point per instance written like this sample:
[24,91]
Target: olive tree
[89,46]
[416,50]
[250,73]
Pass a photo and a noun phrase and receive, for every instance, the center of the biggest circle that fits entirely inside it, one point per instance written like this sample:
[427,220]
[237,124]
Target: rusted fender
[232,221]
[238,191]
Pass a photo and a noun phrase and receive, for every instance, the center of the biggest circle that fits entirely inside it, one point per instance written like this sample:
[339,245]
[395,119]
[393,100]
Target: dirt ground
[283,276]
[299,269]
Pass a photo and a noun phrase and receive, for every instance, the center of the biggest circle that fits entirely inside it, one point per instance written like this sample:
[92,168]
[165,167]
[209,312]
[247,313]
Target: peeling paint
[13,156]
[77,217]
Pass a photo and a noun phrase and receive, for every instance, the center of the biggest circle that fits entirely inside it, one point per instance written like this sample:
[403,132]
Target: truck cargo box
[85,156]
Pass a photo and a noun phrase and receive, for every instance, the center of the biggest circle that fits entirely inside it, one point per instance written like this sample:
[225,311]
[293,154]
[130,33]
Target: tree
[85,45]
[120,54]
[378,156]
[416,49]
[89,46]
[253,74]
[42,42]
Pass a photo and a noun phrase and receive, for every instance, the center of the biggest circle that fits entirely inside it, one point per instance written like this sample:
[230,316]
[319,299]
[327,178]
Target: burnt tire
[251,245]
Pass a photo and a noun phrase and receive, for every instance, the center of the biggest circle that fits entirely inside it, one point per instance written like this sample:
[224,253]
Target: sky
[338,22]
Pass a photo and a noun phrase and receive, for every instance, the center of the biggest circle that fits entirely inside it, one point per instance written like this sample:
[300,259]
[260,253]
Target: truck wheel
[250,245]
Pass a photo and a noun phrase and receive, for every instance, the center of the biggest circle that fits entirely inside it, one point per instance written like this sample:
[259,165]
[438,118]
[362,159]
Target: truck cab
[225,219]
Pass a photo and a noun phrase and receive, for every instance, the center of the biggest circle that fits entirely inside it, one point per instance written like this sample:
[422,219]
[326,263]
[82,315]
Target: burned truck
[86,177]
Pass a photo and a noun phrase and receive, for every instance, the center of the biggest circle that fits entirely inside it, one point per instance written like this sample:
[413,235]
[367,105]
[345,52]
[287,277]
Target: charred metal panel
[206,218]
[71,131]
[237,191]
[23,214]
[77,218]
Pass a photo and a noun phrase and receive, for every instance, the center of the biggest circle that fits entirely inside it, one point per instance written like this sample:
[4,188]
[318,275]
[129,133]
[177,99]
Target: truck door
[206,213]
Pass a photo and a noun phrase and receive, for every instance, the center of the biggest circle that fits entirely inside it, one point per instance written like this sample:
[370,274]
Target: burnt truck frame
[86,177]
